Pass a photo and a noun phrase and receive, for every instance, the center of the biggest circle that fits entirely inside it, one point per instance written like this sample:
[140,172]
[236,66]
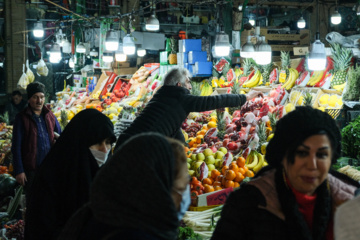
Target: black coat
[170,106]
[266,209]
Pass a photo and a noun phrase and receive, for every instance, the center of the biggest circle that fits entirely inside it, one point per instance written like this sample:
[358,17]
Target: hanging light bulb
[222,45]
[152,23]
[112,41]
[55,53]
[128,45]
[317,56]
[38,30]
[94,53]
[263,53]
[141,52]
[120,56]
[248,49]
[358,9]
[301,23]
[336,18]
[252,22]
[66,46]
[108,57]
[71,62]
[80,48]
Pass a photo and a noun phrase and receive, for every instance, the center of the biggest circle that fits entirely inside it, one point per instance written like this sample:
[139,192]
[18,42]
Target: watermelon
[231,75]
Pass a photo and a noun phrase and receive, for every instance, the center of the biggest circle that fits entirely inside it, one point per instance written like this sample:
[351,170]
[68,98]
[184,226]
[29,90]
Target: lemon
[70,115]
[332,101]
[270,137]
[324,99]
[263,148]
[211,124]
[339,101]
[289,107]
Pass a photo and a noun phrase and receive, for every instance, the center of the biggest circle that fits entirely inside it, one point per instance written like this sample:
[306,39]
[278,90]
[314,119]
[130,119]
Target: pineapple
[247,65]
[262,134]
[5,118]
[63,119]
[221,125]
[173,47]
[265,73]
[308,99]
[195,90]
[285,64]
[341,57]
[235,90]
[273,119]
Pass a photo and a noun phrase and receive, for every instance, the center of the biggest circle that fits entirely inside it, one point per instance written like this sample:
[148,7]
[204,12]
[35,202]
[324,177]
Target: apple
[232,146]
[223,149]
[219,155]
[193,157]
[213,149]
[191,173]
[211,167]
[189,160]
[207,152]
[188,165]
[197,165]
[200,157]
[210,159]
[218,163]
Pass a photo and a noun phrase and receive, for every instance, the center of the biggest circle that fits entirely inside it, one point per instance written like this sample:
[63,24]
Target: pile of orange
[230,176]
[3,169]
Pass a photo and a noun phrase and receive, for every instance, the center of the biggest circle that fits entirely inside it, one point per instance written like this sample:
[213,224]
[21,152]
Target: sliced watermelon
[231,75]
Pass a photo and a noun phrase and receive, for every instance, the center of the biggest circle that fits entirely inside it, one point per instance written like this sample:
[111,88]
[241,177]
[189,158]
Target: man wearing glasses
[173,102]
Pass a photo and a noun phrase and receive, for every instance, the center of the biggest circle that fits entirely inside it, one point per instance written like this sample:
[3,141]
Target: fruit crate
[302,90]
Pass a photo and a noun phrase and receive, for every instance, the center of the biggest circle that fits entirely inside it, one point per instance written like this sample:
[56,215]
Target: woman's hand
[21,179]
[253,94]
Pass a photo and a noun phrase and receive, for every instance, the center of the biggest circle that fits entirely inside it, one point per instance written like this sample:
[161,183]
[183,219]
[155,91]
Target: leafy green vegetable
[352,91]
[187,233]
[351,139]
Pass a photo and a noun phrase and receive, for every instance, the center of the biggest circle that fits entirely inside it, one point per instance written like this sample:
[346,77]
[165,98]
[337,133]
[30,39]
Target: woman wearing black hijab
[131,196]
[62,183]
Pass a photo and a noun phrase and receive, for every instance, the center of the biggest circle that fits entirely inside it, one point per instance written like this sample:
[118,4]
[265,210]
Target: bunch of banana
[255,161]
[340,87]
[253,81]
[206,89]
[293,76]
[315,78]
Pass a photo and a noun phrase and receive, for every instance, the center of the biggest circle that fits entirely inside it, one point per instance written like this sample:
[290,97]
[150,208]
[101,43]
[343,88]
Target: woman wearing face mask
[62,184]
[296,196]
[132,195]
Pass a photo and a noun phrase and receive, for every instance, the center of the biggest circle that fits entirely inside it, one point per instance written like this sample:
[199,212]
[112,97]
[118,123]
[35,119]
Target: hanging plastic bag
[29,73]
[23,81]
[41,68]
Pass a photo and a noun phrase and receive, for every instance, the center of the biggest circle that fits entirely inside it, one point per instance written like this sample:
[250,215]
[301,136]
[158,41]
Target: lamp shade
[263,53]
[55,53]
[152,23]
[94,53]
[336,18]
[120,57]
[38,30]
[141,52]
[301,23]
[222,45]
[128,45]
[317,56]
[252,22]
[248,49]
[80,48]
[66,46]
[71,62]
[108,57]
[111,41]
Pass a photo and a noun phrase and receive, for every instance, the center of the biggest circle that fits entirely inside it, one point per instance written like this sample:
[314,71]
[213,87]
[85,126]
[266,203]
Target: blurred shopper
[347,216]
[296,196]
[16,105]
[34,133]
[62,183]
[172,103]
[133,195]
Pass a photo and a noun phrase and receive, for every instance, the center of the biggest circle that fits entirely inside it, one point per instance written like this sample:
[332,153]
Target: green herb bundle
[352,91]
[351,139]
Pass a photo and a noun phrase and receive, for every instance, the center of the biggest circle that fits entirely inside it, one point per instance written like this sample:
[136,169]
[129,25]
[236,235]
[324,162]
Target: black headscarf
[133,189]
[295,127]
[62,182]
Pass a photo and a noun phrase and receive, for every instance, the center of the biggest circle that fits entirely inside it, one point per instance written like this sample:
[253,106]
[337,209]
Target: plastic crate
[352,115]
[203,208]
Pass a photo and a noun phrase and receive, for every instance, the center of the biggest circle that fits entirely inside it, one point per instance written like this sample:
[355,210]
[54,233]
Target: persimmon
[223,181]
[194,180]
[249,173]
[239,177]
[209,188]
[242,171]
[217,188]
[219,178]
[215,173]
[236,184]
[234,167]
[199,138]
[217,184]
[223,170]
[229,184]
[207,181]
[230,174]
[241,161]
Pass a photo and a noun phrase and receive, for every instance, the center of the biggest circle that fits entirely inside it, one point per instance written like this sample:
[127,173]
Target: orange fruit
[215,173]
[229,184]
[224,168]
[208,188]
[236,184]
[217,188]
[191,142]
[213,119]
[205,127]
[207,181]
[234,167]
[211,124]
[223,181]
[245,168]
[242,171]
[230,174]
[249,173]
[239,177]
[241,161]
[217,184]
[219,178]
[198,138]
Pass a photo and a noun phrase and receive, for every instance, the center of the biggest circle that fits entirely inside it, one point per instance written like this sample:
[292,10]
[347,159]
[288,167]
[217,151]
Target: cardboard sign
[299,51]
[219,197]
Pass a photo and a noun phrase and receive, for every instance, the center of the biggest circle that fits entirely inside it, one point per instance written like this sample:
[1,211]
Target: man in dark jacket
[16,105]
[172,103]
[33,135]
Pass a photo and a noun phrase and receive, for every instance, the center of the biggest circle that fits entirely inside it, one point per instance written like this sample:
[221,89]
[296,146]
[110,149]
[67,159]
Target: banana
[315,78]
[249,158]
[294,76]
[254,81]
[340,87]
[254,162]
[260,162]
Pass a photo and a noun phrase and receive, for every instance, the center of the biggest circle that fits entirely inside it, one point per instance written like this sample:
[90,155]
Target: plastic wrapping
[41,68]
[29,73]
[23,81]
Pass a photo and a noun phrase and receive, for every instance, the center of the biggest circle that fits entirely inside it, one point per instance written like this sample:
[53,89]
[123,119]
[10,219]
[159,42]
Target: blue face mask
[185,202]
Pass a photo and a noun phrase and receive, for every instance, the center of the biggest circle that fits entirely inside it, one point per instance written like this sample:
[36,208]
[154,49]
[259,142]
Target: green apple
[223,149]
[208,152]
[193,157]
[219,155]
[188,165]
[200,157]
[192,173]
[218,163]
[210,160]
[211,167]
[189,160]
[197,165]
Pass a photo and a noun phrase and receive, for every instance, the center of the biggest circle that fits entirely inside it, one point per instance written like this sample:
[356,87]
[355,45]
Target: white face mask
[100,156]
